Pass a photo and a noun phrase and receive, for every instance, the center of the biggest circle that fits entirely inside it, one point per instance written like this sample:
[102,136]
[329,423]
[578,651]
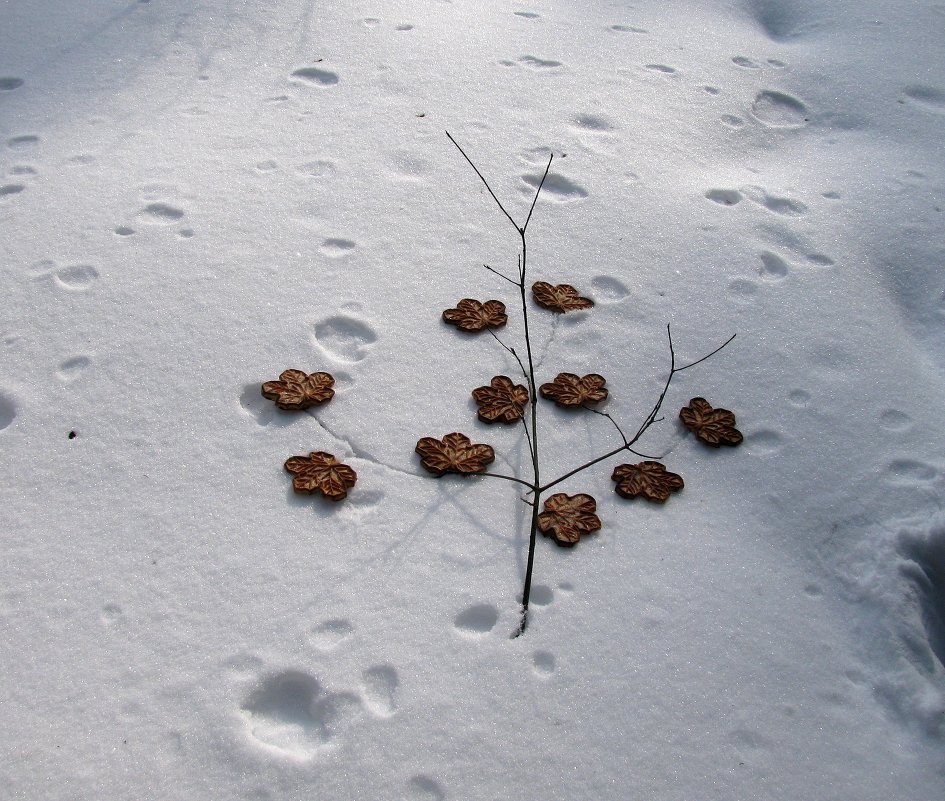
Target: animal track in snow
[820,260]
[76,278]
[7,411]
[763,442]
[779,110]
[124,230]
[476,620]
[8,84]
[23,142]
[379,686]
[329,634]
[556,186]
[318,168]
[543,664]
[627,29]
[23,169]
[72,368]
[927,97]
[732,121]
[895,420]
[593,122]
[292,713]
[6,190]
[541,595]
[539,63]
[423,788]
[334,248]
[312,76]
[664,68]
[746,63]
[910,471]
[161,213]
[779,205]
[344,338]
[527,14]
[724,197]
[773,267]
[608,289]
[743,290]
[799,398]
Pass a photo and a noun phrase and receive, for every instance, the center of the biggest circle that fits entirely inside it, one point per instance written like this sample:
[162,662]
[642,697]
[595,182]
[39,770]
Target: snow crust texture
[196,195]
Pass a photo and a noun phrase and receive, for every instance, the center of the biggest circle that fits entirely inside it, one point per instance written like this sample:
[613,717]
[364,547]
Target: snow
[198,194]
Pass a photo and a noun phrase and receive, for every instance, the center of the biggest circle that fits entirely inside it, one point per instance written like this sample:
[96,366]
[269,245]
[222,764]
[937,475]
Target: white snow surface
[198,194]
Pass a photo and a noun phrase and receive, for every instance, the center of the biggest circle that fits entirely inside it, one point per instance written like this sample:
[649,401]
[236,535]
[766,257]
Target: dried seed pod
[559,297]
[471,315]
[712,426]
[567,517]
[572,391]
[501,401]
[321,472]
[455,453]
[650,480]
[296,391]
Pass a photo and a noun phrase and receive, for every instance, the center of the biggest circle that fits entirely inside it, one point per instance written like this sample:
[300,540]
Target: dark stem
[497,201]
[650,418]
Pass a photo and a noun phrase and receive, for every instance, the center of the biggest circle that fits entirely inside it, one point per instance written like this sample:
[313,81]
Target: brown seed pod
[712,426]
[559,297]
[471,315]
[455,453]
[567,517]
[572,391]
[321,472]
[650,480]
[502,401]
[296,391]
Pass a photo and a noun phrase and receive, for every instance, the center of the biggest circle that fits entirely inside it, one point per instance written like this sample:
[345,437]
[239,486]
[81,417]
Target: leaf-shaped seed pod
[572,391]
[650,480]
[712,426]
[321,472]
[455,453]
[567,517]
[471,315]
[502,401]
[559,297]
[295,390]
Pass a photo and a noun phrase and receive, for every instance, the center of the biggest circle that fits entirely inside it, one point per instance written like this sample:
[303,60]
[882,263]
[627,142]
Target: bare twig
[482,178]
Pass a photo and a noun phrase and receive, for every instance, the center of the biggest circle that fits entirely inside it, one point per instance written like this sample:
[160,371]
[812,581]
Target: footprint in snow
[779,205]
[556,187]
[8,84]
[424,788]
[7,411]
[536,63]
[745,63]
[608,289]
[292,713]
[476,620]
[379,687]
[335,248]
[330,634]
[160,213]
[779,110]
[926,97]
[313,76]
[773,267]
[23,142]
[724,197]
[344,338]
[72,369]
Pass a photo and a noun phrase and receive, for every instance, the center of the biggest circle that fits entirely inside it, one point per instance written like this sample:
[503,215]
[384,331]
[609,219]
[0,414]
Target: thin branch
[510,350]
[482,178]
[604,414]
[537,192]
[521,481]
[699,361]
[501,275]
[650,419]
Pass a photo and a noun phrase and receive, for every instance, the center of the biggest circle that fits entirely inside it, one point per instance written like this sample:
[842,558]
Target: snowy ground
[198,194]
